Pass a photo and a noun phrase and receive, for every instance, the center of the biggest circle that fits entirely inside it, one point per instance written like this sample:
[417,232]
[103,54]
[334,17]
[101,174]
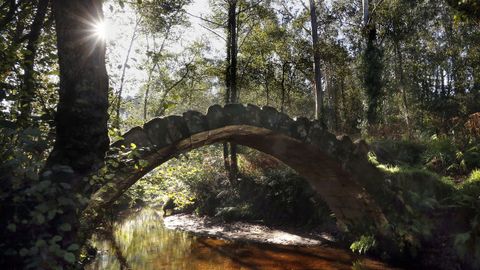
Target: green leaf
[66,227]
[69,257]
[143,163]
[40,218]
[73,247]
[56,238]
[40,243]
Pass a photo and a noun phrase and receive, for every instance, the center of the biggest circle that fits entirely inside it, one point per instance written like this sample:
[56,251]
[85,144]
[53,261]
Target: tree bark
[231,81]
[372,71]
[81,119]
[226,152]
[319,110]
[232,22]
[366,14]
[282,86]
[81,128]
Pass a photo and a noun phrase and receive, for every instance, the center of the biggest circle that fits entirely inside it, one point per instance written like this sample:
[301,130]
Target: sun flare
[100,30]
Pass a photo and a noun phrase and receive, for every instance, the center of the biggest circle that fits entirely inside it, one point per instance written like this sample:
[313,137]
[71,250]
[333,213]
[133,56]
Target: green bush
[398,152]
[471,186]
[364,244]
[467,202]
[441,153]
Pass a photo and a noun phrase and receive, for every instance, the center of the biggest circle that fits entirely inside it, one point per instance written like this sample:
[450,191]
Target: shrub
[467,202]
[364,244]
[398,152]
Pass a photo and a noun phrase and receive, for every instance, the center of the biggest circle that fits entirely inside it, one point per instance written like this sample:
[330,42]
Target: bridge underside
[334,167]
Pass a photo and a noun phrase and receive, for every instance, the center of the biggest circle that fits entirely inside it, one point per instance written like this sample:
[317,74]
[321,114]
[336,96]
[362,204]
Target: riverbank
[243,231]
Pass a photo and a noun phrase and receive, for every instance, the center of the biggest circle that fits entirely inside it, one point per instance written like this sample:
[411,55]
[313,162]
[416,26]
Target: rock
[157,131]
[253,115]
[283,123]
[269,117]
[234,114]
[177,128]
[136,136]
[299,128]
[196,122]
[215,117]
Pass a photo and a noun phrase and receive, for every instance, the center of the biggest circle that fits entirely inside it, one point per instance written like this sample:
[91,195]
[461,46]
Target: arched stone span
[337,168]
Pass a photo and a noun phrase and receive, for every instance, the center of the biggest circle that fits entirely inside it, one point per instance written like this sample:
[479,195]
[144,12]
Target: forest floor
[248,232]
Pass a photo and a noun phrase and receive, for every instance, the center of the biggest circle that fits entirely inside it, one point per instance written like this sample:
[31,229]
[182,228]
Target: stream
[142,241]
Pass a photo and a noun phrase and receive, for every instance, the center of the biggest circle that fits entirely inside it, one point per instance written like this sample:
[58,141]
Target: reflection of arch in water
[336,168]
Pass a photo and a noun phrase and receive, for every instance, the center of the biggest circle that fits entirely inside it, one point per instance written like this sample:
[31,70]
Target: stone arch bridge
[337,168]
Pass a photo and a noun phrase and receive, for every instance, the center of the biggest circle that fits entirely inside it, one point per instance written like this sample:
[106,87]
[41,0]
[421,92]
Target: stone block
[157,131]
[269,117]
[284,122]
[253,115]
[136,136]
[196,121]
[299,128]
[177,128]
[215,117]
[234,114]
[361,148]
[344,148]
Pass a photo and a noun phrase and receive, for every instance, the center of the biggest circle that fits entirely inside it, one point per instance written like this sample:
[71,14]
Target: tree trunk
[122,78]
[282,86]
[28,88]
[366,14]
[372,71]
[150,73]
[319,112]
[232,18]
[231,81]
[401,84]
[81,119]
[81,122]
[226,152]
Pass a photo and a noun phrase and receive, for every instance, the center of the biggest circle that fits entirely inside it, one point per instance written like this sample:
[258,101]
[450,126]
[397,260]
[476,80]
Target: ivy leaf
[73,247]
[56,238]
[66,227]
[69,257]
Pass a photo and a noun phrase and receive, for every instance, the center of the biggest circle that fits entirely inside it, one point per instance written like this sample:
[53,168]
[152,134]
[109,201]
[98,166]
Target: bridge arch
[336,168]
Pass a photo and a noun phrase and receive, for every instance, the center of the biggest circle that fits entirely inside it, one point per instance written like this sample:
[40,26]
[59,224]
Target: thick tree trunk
[81,119]
[81,126]
[319,111]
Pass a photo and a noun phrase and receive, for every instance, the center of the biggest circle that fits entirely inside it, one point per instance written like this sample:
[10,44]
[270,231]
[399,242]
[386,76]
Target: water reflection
[141,242]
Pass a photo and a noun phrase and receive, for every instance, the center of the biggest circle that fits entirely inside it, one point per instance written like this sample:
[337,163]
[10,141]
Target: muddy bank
[242,231]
